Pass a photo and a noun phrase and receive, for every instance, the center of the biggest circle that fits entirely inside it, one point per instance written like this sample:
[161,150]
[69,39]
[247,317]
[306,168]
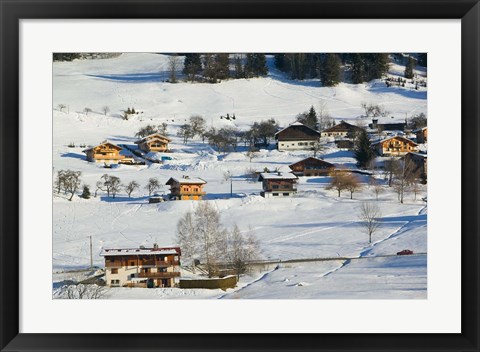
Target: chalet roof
[152,137]
[104,142]
[342,127]
[312,160]
[395,137]
[297,131]
[277,176]
[186,180]
[139,251]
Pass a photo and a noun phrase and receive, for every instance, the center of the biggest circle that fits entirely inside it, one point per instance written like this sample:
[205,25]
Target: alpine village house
[297,136]
[312,167]
[394,146]
[154,143]
[107,153]
[142,267]
[186,188]
[278,184]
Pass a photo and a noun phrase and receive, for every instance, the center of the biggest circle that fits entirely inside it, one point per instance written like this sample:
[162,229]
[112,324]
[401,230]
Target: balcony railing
[103,156]
[162,275]
[281,190]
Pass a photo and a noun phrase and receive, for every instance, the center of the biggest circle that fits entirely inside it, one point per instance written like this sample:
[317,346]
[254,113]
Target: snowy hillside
[313,224]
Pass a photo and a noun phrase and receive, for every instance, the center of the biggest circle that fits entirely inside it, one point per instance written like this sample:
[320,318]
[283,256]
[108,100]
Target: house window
[132,263]
[114,271]
[145,270]
[275,194]
[162,270]
[286,194]
[282,144]
[274,186]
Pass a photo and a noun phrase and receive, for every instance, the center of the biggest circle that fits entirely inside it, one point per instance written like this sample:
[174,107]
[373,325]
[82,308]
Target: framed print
[221,175]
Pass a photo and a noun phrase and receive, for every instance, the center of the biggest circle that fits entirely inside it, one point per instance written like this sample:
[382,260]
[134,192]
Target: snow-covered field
[313,224]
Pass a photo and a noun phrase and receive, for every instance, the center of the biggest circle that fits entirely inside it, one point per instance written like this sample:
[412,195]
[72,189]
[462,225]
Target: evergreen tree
[222,66]
[422,59]
[358,69]
[280,62]
[256,65]
[377,65]
[192,65]
[363,150]
[239,69]
[209,71]
[410,67]
[86,192]
[330,70]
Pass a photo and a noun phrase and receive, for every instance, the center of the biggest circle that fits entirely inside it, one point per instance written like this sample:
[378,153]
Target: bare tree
[162,128]
[131,187]
[59,180]
[81,291]
[352,184]
[317,148]
[391,168]
[404,176]
[251,154]
[369,217]
[241,250]
[105,110]
[185,131]
[146,131]
[153,185]
[173,66]
[198,125]
[324,119]
[115,185]
[61,107]
[71,182]
[187,238]
[376,186]
[339,182]
[87,110]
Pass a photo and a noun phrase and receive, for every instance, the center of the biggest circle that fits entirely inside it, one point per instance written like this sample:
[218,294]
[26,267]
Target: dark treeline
[215,67]
[328,66]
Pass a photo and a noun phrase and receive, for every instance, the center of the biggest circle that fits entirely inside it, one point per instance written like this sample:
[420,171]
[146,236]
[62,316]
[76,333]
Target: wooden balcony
[108,157]
[164,275]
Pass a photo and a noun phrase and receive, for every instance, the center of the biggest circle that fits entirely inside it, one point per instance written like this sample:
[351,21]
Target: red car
[405,252]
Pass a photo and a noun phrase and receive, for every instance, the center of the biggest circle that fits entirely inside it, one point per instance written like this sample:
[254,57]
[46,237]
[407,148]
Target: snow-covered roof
[153,136]
[104,142]
[138,251]
[187,180]
[277,176]
[296,123]
[395,137]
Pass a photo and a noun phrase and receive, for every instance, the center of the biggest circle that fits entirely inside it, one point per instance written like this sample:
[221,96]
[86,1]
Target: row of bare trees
[69,182]
[202,237]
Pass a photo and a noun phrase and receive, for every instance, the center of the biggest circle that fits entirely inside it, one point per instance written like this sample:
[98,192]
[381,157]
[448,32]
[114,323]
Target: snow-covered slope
[315,223]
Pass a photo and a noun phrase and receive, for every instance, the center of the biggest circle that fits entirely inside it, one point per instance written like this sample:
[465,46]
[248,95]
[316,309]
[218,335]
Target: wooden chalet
[278,184]
[297,136]
[105,152]
[186,188]
[311,167]
[341,130]
[154,143]
[394,146]
[421,135]
[142,267]
[391,126]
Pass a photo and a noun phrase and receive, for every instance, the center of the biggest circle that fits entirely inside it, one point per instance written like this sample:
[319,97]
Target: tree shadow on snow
[134,77]
[74,156]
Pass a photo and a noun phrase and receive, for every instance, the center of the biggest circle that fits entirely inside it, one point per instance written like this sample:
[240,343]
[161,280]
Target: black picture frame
[13,11]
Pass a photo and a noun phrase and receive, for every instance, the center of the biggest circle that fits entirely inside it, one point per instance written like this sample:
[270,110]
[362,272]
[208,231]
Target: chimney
[155,246]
